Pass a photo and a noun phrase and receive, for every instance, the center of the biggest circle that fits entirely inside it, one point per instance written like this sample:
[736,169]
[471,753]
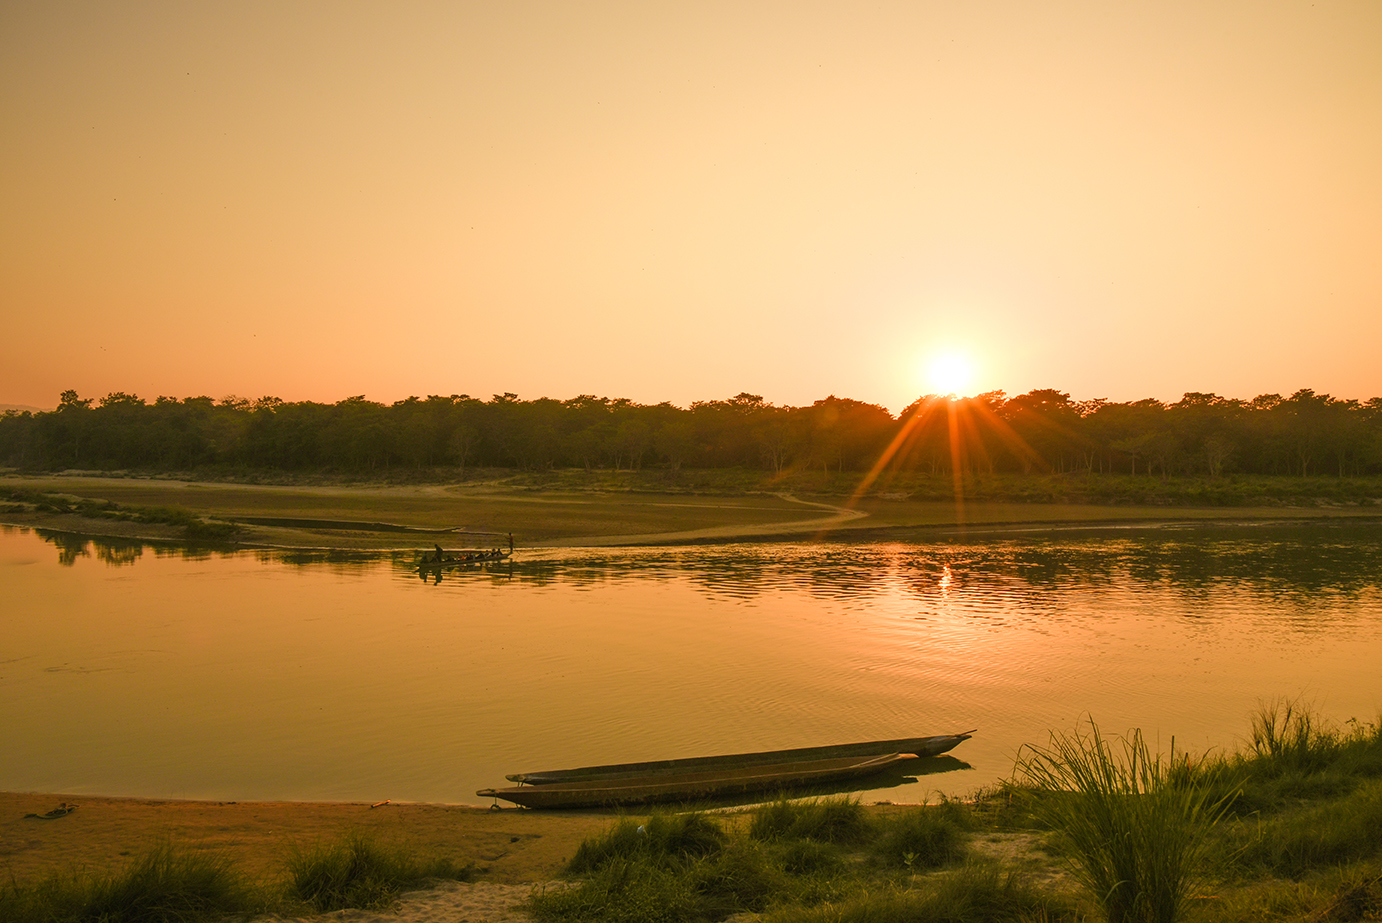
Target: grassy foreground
[1090,828]
[166,885]
[1289,830]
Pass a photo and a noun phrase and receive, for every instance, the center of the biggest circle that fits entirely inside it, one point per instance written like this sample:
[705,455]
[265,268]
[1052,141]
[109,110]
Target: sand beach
[512,849]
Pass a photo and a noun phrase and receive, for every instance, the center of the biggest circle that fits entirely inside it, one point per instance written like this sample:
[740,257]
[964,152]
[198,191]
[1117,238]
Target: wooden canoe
[694,786]
[918,746]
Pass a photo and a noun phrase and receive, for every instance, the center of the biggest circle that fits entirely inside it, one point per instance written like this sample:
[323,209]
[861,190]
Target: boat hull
[918,746]
[695,786]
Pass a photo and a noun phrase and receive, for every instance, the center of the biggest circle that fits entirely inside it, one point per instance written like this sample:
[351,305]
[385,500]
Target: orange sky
[684,201]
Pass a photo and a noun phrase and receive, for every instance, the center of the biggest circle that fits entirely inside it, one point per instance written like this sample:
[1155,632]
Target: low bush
[742,877]
[163,886]
[665,839]
[829,820]
[359,873]
[977,893]
[1334,833]
[621,890]
[924,838]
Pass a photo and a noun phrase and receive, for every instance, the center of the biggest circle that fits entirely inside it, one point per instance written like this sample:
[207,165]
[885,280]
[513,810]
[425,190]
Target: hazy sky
[681,201]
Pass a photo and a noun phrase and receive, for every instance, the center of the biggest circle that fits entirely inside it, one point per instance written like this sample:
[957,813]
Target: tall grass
[1288,736]
[1295,756]
[1136,838]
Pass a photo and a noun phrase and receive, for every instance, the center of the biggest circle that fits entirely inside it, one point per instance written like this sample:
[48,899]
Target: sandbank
[394,518]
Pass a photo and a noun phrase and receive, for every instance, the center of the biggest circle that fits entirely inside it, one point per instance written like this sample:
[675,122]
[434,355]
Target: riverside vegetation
[1042,431]
[1288,829]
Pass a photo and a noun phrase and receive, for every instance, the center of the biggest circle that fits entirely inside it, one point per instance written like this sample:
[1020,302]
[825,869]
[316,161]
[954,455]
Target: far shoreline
[418,516]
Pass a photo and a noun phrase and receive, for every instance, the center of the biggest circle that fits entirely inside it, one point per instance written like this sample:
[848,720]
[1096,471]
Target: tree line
[1305,434]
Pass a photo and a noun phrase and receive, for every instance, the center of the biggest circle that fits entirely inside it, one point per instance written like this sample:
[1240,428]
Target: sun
[950,373]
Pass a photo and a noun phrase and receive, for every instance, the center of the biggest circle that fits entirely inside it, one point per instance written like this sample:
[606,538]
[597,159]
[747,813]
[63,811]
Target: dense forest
[1305,434]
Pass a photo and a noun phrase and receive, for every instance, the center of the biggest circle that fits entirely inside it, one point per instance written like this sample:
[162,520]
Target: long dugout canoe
[917,746]
[693,786]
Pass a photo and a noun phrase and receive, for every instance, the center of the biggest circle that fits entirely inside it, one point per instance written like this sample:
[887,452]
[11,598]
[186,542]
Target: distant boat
[460,558]
[722,782]
[440,558]
[918,746]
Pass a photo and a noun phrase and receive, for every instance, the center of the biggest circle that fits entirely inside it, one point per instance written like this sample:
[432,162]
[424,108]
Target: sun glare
[950,373]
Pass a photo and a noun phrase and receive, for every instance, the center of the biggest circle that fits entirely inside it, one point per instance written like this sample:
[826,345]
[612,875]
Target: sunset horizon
[889,461]
[679,204]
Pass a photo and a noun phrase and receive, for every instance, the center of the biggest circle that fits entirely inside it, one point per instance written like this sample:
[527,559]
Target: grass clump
[799,854]
[1137,839]
[357,872]
[975,893]
[665,840]
[742,877]
[621,890]
[163,886]
[830,820]
[1334,833]
[925,838]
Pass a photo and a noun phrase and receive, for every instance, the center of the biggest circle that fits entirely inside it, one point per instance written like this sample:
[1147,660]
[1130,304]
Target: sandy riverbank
[347,517]
[511,849]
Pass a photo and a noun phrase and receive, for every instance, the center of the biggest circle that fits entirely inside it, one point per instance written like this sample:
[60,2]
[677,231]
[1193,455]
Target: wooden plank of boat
[694,786]
[919,746]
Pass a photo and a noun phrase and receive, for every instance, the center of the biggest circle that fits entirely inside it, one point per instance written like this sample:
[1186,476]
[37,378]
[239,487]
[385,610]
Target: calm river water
[129,669]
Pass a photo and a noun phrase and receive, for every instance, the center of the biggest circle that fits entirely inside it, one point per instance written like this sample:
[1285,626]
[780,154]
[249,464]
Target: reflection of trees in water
[1295,561]
[1276,561]
[118,554]
[344,560]
[70,547]
[115,552]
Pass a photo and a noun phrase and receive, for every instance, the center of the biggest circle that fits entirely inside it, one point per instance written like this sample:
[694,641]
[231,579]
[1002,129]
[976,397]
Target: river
[170,672]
